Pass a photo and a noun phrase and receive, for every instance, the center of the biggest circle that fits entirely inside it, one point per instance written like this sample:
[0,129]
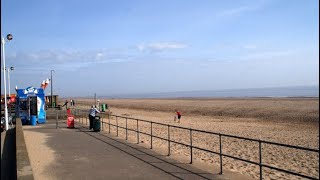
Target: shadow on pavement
[161,162]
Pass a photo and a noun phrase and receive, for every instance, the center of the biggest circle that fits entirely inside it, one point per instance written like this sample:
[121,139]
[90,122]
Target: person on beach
[92,114]
[65,104]
[98,103]
[178,113]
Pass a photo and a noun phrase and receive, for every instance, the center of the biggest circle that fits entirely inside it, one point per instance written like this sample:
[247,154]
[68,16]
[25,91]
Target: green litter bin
[96,124]
[54,104]
[103,107]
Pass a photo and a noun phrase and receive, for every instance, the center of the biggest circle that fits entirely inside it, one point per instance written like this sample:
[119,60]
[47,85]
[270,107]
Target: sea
[292,91]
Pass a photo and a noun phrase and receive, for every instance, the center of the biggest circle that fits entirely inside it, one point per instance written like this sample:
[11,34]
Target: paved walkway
[83,154]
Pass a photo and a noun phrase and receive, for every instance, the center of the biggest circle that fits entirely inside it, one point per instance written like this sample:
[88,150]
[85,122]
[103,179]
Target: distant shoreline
[276,92]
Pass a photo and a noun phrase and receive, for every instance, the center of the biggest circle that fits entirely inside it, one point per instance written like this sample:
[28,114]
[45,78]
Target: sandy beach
[295,126]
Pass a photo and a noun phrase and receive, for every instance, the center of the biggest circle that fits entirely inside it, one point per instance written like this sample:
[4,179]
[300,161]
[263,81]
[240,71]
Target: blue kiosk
[30,105]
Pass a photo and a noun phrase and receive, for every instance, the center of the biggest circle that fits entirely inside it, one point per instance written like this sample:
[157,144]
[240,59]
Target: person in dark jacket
[92,114]
[65,104]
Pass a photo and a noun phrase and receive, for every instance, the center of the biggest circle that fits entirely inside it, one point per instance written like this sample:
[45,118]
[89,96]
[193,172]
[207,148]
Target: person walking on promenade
[92,114]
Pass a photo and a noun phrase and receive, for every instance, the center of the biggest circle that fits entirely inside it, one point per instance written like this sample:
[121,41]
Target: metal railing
[192,147]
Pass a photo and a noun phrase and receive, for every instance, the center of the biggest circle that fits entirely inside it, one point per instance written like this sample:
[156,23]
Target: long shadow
[145,153]
[8,158]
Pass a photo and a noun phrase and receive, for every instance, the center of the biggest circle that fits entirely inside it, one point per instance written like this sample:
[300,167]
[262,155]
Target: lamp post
[51,90]
[10,69]
[3,41]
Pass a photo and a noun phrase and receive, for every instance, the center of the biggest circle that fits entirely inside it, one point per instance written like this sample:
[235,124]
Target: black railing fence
[255,149]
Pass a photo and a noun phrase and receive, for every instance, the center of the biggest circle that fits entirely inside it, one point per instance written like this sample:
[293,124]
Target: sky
[143,46]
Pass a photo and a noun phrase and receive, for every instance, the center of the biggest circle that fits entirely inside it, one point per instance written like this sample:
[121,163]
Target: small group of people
[92,114]
[72,103]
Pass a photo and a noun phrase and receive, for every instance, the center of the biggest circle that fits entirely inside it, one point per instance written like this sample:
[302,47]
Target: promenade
[63,153]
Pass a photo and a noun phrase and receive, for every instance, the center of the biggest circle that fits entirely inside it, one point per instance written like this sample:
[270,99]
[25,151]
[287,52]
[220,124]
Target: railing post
[109,123]
[102,122]
[137,131]
[191,146]
[126,128]
[75,114]
[260,159]
[168,140]
[117,124]
[57,116]
[220,146]
[151,136]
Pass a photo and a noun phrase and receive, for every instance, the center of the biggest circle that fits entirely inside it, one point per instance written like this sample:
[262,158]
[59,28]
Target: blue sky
[139,46]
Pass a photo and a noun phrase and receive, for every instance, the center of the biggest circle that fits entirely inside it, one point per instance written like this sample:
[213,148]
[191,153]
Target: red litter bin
[70,121]
[69,111]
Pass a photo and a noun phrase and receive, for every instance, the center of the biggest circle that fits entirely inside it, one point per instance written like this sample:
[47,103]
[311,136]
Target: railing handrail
[226,135]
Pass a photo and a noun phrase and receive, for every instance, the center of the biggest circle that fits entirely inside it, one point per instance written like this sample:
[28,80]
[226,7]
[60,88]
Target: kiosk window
[23,105]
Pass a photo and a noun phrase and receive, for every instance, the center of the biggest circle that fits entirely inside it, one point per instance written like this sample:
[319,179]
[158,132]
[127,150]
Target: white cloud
[242,9]
[161,46]
[235,11]
[99,56]
[266,55]
[249,46]
[64,59]
[141,47]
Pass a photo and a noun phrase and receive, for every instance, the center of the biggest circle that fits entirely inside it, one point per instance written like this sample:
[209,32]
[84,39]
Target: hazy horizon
[290,91]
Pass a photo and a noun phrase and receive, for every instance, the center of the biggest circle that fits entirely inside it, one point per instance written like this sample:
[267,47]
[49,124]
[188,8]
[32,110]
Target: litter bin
[33,120]
[69,111]
[96,124]
[54,104]
[103,107]
[70,121]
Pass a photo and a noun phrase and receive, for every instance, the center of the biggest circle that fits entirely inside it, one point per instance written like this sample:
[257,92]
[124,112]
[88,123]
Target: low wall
[24,169]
